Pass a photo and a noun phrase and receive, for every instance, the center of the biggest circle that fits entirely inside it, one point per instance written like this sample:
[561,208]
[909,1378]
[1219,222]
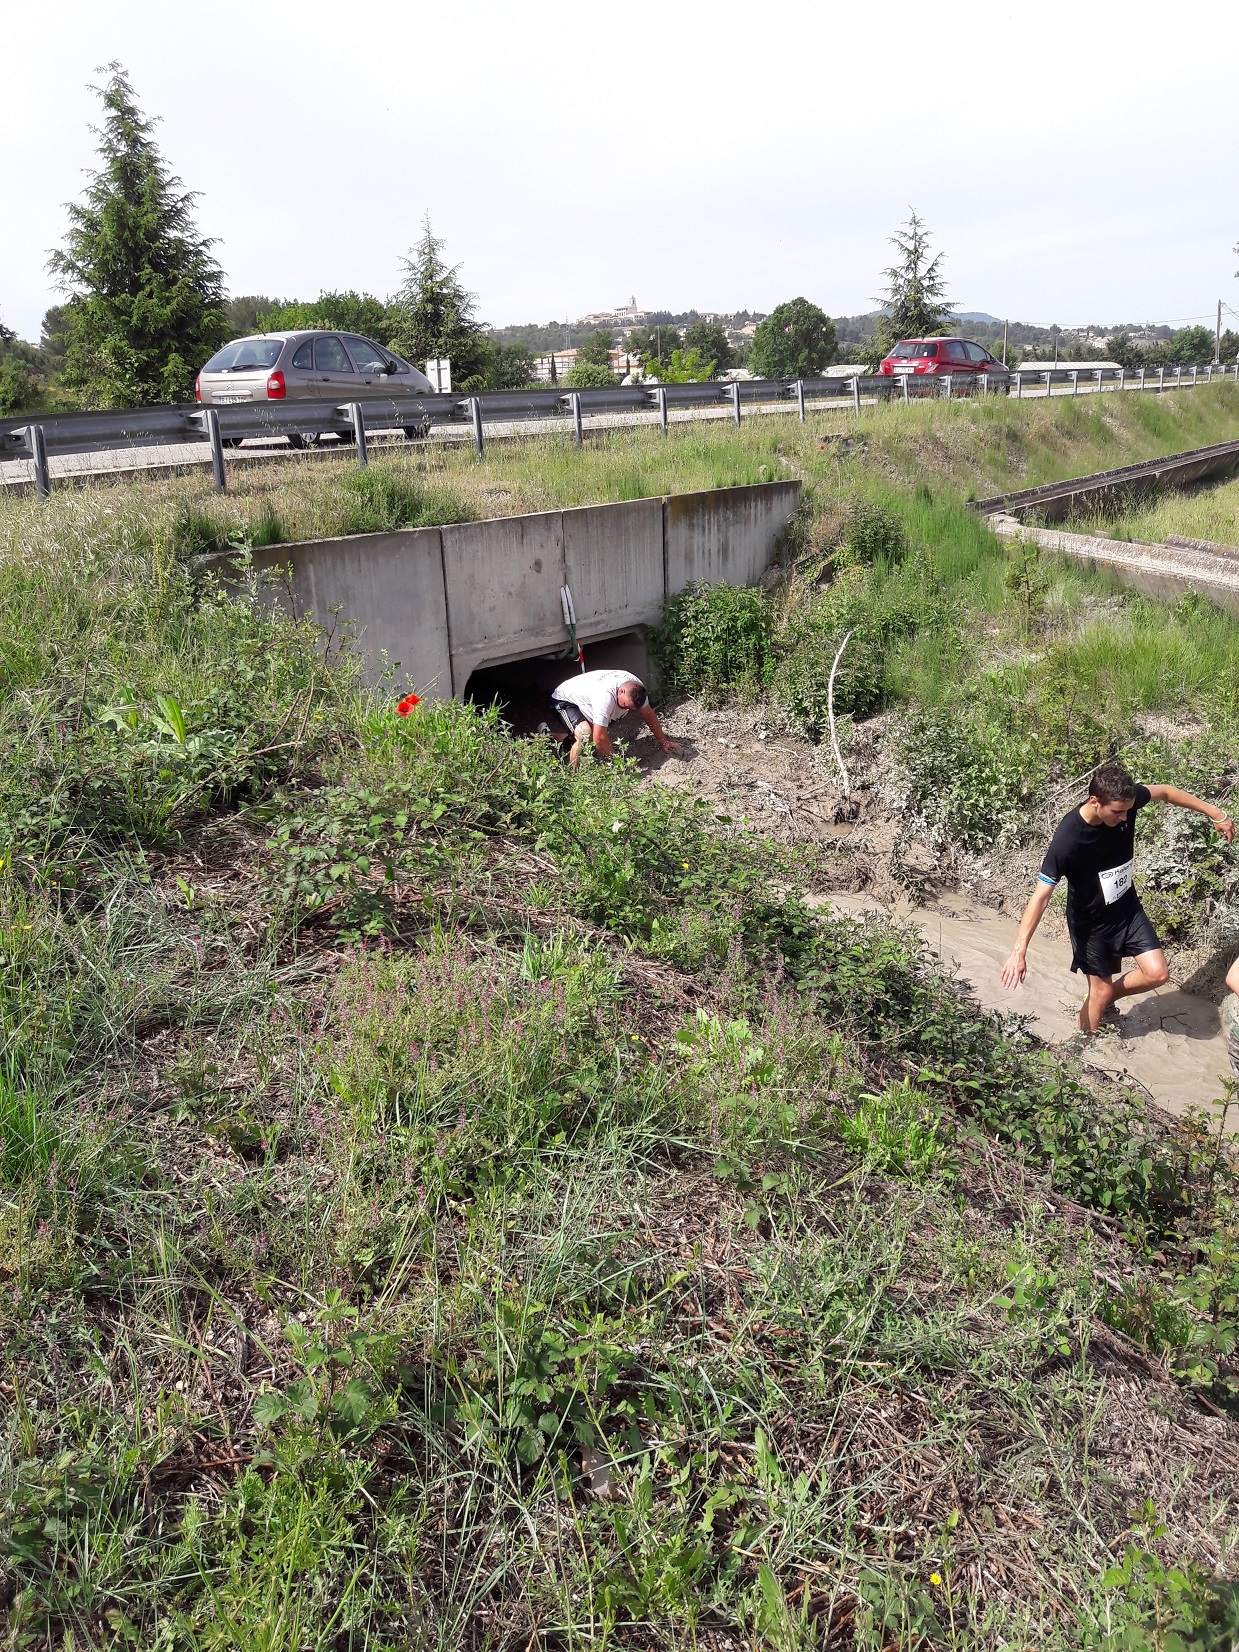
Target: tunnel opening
[522,688]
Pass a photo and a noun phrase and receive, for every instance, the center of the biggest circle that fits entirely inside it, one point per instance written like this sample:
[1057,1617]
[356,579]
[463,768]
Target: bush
[588,375]
[879,617]
[715,640]
[961,780]
[873,534]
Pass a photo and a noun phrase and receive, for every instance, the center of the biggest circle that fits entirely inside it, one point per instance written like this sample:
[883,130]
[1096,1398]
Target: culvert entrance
[522,688]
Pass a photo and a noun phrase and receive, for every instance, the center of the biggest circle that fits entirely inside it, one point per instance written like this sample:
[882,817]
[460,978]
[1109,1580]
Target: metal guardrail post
[1075,381]
[1019,387]
[1049,385]
[662,407]
[475,408]
[905,377]
[947,381]
[735,398]
[575,399]
[1195,370]
[1100,376]
[1178,376]
[217,450]
[1122,378]
[1143,370]
[38,446]
[856,396]
[800,398]
[1161,378]
[359,432]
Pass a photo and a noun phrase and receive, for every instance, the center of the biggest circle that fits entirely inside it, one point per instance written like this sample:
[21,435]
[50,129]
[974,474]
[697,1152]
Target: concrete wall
[387,586]
[445,602]
[724,536]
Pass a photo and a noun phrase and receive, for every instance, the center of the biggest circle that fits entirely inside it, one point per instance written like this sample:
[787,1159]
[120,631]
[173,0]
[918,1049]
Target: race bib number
[1116,881]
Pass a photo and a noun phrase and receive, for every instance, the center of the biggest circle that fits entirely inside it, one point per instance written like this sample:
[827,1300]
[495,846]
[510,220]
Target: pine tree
[915,297]
[438,318]
[146,304]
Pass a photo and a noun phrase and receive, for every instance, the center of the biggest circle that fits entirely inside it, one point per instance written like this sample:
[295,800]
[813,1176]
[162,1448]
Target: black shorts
[1100,948]
[571,716]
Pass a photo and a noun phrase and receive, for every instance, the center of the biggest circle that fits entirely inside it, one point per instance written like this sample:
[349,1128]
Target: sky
[1073,161]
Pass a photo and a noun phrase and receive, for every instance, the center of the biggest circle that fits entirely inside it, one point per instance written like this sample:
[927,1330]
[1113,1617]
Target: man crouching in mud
[1094,849]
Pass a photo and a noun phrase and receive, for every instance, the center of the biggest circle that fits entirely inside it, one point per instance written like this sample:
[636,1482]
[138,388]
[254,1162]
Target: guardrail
[415,416]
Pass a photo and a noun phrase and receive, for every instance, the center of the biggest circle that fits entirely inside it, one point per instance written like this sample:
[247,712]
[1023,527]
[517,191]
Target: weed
[895,1133]
[715,641]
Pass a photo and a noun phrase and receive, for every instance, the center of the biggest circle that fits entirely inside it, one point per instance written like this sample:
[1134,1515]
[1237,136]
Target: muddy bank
[863,861]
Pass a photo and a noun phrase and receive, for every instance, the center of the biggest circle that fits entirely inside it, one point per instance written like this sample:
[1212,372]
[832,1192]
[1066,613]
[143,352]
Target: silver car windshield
[245,353]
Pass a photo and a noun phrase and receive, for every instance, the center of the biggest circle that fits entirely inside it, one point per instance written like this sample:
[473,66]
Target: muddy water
[1168,1041]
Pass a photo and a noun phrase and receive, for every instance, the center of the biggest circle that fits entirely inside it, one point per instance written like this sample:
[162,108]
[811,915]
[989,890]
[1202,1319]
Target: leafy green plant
[961,780]
[331,1397]
[873,534]
[896,1132]
[715,640]
[1176,1608]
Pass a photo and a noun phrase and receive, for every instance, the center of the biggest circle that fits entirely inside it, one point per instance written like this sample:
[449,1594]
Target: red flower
[406,705]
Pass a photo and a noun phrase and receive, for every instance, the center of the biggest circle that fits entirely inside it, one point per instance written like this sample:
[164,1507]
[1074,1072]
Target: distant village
[552,365]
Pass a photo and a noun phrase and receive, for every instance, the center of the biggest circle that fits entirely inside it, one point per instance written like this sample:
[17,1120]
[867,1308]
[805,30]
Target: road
[179,455]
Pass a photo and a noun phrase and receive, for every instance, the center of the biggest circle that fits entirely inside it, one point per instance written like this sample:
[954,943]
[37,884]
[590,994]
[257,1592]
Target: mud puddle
[1169,1042]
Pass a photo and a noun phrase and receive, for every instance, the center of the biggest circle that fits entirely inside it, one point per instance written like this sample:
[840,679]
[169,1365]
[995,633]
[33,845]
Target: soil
[861,860]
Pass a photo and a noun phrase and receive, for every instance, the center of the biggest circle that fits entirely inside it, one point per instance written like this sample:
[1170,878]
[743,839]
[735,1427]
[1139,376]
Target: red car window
[955,350]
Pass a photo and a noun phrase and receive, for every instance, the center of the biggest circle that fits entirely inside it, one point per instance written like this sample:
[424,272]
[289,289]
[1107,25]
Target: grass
[445,1201]
[1210,513]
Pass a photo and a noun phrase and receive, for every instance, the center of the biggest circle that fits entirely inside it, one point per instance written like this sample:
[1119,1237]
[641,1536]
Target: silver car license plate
[242,398]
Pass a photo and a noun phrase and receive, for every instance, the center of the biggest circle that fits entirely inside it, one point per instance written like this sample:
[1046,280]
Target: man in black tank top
[1094,849]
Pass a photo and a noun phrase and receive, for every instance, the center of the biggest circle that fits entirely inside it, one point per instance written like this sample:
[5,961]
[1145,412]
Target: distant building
[565,361]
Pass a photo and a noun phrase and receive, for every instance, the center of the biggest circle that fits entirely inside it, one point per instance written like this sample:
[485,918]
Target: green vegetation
[1210,513]
[447,1200]
[145,306]
[915,301]
[795,341]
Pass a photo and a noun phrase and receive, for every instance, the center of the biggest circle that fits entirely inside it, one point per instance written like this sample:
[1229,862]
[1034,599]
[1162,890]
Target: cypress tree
[146,299]
[437,318]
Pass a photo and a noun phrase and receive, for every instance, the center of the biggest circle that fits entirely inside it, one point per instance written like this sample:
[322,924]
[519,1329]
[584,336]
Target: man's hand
[1226,827]
[670,747]
[1015,969]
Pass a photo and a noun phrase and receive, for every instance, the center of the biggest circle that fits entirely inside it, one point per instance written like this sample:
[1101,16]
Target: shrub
[961,780]
[715,640]
[588,375]
[879,617]
[873,534]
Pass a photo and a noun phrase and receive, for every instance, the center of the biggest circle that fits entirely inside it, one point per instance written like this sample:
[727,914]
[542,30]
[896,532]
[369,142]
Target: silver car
[306,366]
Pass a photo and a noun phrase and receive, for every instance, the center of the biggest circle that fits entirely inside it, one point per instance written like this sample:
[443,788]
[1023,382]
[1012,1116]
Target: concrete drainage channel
[1166,571]
[474,609]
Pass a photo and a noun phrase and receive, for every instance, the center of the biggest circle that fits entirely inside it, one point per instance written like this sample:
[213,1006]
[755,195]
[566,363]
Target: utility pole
[1005,325]
[1217,336]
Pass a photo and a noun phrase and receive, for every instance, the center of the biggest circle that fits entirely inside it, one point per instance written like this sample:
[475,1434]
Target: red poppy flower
[406,705]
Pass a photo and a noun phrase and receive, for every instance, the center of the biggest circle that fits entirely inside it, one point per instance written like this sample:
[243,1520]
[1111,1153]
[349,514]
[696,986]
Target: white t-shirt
[594,692]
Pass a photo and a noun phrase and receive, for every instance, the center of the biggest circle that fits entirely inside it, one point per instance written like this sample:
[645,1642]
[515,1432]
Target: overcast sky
[1075,161]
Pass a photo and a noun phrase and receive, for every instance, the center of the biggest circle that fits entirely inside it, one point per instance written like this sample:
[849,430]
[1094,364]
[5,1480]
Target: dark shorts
[571,716]
[1101,948]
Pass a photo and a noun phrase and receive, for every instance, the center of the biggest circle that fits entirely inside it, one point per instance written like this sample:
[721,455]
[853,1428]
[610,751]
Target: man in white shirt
[587,705]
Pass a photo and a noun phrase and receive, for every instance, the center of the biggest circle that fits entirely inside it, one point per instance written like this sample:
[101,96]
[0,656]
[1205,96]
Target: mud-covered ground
[861,858]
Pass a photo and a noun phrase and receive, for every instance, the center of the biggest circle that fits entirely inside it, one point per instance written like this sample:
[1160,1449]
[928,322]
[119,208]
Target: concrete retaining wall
[1163,572]
[439,603]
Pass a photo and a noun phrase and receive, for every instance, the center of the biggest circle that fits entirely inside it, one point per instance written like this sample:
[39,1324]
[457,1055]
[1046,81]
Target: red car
[940,355]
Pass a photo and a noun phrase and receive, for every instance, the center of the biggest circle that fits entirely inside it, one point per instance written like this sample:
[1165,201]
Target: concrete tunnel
[472,610]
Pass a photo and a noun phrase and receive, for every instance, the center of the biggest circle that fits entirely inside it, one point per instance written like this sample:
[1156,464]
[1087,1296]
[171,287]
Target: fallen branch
[830,707]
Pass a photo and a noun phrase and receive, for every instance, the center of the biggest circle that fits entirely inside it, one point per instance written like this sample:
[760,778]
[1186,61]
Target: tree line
[145,306]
